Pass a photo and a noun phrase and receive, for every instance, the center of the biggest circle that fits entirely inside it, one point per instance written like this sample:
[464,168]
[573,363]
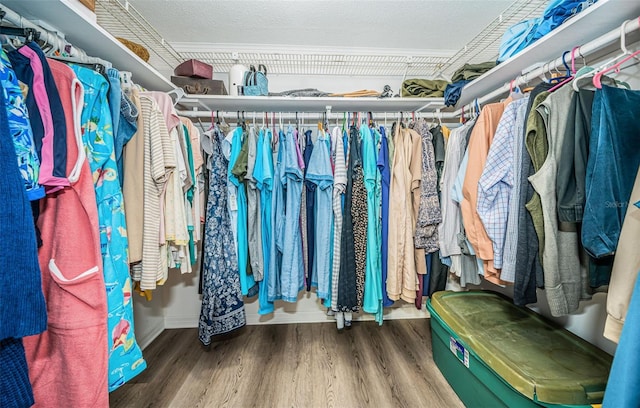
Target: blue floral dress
[222,305]
[125,357]
[20,128]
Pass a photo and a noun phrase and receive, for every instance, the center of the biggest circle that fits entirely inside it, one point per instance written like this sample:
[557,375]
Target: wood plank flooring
[294,365]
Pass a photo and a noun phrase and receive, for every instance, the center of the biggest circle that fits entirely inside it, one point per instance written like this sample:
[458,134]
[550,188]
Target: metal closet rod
[49,37]
[585,50]
[303,117]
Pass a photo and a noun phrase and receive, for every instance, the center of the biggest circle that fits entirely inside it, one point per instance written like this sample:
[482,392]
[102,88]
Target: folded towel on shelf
[453,91]
[423,88]
[358,94]
[469,72]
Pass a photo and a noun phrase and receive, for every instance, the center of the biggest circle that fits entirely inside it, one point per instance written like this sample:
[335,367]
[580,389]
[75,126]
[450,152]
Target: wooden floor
[294,365]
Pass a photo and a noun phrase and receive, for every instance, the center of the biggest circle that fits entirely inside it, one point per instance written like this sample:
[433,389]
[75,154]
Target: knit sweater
[22,311]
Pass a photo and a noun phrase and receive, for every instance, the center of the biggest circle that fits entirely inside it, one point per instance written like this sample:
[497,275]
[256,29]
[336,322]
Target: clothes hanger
[597,78]
[626,55]
[572,71]
[29,34]
[560,77]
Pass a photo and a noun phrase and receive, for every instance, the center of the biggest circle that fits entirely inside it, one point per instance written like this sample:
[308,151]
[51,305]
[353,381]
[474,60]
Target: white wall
[149,317]
[328,83]
[182,307]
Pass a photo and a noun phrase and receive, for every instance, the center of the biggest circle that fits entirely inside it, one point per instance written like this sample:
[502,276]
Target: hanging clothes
[384,166]
[564,285]
[308,216]
[190,192]
[496,181]
[127,123]
[347,286]
[451,224]
[528,269]
[20,128]
[319,173]
[147,150]
[404,193]
[254,228]
[510,252]
[467,267]
[125,356]
[175,231]
[481,138]
[238,203]
[622,385]
[222,305]
[372,302]
[277,223]
[23,311]
[45,114]
[196,203]
[626,267]
[72,279]
[339,188]
[429,215]
[292,274]
[609,182]
[263,176]
[359,212]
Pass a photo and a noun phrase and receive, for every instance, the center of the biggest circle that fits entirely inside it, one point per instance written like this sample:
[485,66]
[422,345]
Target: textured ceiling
[399,38]
[426,24]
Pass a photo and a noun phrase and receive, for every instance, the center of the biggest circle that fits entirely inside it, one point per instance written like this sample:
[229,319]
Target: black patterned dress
[353,242]
[359,214]
[222,304]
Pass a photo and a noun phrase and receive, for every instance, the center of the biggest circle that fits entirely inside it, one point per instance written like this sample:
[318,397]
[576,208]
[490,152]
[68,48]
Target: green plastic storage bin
[495,354]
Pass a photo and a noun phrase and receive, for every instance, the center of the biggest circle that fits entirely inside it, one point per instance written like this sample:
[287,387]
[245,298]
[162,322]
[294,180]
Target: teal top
[247,283]
[373,184]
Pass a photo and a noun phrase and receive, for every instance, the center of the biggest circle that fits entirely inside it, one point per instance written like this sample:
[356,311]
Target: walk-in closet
[375,203]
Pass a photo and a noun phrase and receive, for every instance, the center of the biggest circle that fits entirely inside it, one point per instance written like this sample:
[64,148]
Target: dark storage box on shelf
[195,69]
[199,86]
[495,354]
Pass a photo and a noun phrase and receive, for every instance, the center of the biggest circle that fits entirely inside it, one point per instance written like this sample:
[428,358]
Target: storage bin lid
[542,361]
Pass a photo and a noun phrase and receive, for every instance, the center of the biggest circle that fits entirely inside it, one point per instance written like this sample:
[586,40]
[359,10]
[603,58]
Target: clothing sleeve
[292,168]
[369,167]
[258,168]
[415,167]
[456,189]
[156,132]
[239,169]
[267,161]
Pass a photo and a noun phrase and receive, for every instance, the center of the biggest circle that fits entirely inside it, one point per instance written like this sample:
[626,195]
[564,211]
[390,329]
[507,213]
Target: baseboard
[147,338]
[316,316]
[180,322]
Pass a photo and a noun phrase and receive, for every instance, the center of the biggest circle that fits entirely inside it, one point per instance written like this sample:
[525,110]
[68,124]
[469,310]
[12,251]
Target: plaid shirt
[494,186]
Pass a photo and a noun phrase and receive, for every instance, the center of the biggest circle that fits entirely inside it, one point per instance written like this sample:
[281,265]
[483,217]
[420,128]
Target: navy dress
[222,305]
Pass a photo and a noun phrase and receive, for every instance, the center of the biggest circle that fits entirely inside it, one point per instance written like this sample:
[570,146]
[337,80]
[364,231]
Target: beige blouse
[405,262]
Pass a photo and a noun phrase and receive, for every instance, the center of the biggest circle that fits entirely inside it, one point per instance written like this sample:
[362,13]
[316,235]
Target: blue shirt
[274,289]
[292,275]
[320,174]
[456,195]
[263,174]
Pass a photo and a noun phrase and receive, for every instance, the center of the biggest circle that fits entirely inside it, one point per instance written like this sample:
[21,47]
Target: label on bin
[459,351]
